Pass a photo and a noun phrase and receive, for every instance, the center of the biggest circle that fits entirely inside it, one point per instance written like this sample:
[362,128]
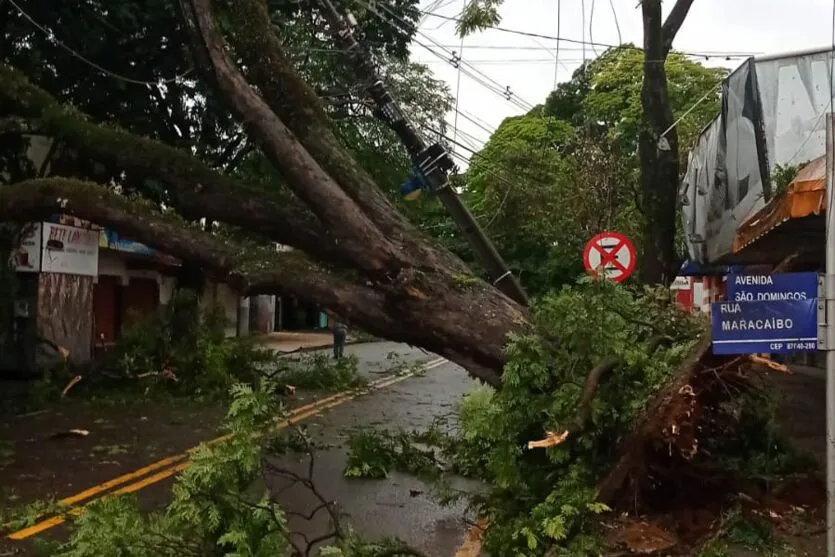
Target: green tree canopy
[603,96]
[549,180]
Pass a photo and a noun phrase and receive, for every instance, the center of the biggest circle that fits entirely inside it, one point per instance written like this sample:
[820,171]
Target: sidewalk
[292,341]
[802,408]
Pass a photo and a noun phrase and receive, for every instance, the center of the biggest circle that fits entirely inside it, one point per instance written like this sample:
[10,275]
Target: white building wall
[112,265]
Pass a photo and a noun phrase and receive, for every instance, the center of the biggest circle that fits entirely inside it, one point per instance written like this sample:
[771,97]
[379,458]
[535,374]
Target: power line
[583,26]
[492,84]
[52,37]
[474,142]
[617,22]
[458,79]
[557,53]
[506,61]
[472,120]
[727,55]
[531,60]
[699,54]
[506,92]
[510,185]
[562,48]
[591,28]
[478,121]
[432,163]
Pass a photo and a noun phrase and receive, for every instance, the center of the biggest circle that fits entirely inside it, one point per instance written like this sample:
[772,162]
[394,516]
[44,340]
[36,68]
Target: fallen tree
[400,285]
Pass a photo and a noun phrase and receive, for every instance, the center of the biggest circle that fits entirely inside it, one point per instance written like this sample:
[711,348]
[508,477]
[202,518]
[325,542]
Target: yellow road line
[95,490]
[130,488]
[298,414]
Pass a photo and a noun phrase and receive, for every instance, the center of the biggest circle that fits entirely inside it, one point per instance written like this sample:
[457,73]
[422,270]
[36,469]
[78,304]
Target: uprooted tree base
[596,413]
[674,476]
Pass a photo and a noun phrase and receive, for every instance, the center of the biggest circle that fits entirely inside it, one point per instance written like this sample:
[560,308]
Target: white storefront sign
[70,250]
[27,257]
[680,283]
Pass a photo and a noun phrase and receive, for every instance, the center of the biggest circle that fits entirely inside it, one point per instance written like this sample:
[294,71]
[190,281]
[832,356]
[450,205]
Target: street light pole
[432,163]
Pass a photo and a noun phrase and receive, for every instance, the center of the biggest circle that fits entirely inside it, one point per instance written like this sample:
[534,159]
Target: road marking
[130,488]
[95,490]
[180,462]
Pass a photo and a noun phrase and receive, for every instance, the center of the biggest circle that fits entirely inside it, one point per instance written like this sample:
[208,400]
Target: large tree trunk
[658,152]
[464,321]
[362,259]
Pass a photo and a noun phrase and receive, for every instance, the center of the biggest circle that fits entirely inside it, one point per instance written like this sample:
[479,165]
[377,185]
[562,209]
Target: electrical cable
[707,55]
[474,142]
[591,29]
[557,50]
[52,37]
[511,61]
[458,79]
[478,121]
[505,93]
[477,124]
[689,110]
[508,183]
[727,55]
[697,54]
[617,22]
[583,27]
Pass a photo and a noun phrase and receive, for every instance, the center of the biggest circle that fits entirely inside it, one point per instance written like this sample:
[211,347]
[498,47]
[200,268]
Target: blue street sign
[765,327]
[777,287]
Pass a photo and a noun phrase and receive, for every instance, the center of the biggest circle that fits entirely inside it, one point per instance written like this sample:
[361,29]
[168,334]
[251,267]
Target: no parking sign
[610,255]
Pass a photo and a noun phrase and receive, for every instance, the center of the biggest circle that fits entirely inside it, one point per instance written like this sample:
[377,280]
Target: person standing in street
[340,332]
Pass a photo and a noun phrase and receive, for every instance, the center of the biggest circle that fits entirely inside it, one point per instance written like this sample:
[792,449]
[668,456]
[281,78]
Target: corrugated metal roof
[805,196]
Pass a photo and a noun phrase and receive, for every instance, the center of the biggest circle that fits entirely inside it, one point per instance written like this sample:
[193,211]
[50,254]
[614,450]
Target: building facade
[83,285]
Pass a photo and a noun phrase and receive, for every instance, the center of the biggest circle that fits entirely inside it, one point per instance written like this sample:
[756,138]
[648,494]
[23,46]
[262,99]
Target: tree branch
[359,238]
[16,125]
[248,269]
[441,322]
[195,188]
[674,22]
[296,103]
[592,384]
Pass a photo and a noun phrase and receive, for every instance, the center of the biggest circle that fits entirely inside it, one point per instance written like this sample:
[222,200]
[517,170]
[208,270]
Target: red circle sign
[610,255]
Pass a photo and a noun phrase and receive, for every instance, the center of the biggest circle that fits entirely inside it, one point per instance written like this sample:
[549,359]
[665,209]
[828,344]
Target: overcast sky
[527,64]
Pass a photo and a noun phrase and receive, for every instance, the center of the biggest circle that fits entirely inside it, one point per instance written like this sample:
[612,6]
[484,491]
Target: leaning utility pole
[432,163]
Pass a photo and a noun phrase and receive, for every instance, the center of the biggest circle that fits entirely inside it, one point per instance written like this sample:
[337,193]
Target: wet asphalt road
[374,508]
[375,358]
[398,506]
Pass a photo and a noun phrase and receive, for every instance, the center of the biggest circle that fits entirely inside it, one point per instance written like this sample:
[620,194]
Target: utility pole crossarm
[432,163]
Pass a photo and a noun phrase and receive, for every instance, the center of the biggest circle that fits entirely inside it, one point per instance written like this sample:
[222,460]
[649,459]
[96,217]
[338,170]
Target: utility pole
[827,335]
[432,163]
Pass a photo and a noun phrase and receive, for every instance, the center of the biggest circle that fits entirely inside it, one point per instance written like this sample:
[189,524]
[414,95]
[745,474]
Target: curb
[304,349]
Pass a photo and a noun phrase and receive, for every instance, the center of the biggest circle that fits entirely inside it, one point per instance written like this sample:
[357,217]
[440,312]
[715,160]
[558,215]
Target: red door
[105,294]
